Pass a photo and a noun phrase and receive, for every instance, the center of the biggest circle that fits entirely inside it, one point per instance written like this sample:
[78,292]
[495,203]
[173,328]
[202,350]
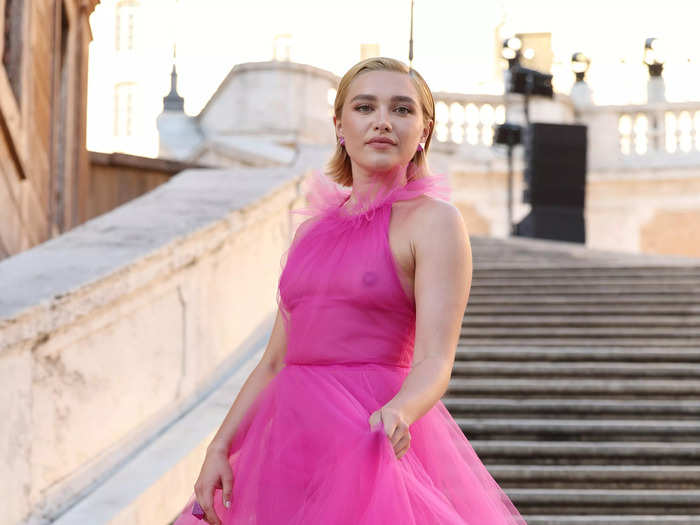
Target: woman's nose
[382,120]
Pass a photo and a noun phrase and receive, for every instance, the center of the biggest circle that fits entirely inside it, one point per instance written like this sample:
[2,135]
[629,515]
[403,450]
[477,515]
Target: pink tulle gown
[305,454]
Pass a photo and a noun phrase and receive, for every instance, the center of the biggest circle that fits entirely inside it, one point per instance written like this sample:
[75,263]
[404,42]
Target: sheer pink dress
[304,453]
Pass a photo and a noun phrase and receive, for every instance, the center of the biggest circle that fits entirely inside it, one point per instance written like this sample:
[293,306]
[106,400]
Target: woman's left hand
[395,426]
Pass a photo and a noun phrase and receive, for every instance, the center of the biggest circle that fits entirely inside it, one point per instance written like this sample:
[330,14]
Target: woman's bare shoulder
[435,222]
[428,212]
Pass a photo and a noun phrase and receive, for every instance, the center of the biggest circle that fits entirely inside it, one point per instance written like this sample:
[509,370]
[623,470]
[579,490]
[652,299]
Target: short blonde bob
[339,167]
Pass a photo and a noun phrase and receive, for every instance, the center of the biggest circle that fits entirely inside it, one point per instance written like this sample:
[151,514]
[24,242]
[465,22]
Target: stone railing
[109,332]
[464,124]
[650,136]
[467,119]
[663,135]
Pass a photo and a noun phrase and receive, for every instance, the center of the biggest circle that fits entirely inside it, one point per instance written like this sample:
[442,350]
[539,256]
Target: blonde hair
[339,167]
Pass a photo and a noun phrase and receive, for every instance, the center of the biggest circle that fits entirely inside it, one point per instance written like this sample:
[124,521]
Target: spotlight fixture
[511,51]
[508,134]
[580,64]
[654,56]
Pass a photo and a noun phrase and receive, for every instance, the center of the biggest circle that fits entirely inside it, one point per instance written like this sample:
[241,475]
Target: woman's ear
[426,131]
[338,127]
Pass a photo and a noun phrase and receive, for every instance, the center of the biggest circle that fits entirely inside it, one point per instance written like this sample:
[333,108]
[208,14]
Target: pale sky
[455,48]
[453,39]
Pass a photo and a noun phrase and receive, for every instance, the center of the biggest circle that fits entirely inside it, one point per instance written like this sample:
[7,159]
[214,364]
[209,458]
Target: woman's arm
[443,274]
[216,470]
[270,364]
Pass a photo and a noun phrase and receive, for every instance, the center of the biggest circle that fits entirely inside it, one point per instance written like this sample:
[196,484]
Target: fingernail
[227,504]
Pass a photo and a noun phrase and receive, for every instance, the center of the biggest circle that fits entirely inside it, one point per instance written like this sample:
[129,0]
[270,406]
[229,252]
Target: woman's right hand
[216,473]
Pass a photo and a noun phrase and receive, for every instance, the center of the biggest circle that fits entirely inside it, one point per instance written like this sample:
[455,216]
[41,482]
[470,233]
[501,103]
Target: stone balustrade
[620,137]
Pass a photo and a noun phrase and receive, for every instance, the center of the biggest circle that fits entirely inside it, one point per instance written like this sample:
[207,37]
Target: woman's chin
[383,163]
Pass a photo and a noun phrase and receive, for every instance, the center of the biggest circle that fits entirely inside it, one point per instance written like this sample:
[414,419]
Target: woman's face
[381,104]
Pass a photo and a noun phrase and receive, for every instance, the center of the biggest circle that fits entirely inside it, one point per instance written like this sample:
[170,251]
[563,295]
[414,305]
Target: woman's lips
[382,145]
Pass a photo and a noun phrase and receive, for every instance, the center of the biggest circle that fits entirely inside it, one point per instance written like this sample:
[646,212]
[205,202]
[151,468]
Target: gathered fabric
[305,453]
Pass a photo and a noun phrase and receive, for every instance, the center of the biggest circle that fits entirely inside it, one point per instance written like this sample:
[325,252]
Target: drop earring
[342,141]
[420,147]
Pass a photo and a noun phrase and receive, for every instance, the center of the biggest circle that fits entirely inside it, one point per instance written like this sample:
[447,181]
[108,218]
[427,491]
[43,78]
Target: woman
[341,421]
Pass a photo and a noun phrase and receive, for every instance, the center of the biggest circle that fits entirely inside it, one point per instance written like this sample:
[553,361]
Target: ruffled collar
[324,197]
[366,208]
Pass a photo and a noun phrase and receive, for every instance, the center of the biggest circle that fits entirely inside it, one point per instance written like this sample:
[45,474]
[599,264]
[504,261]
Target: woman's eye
[408,110]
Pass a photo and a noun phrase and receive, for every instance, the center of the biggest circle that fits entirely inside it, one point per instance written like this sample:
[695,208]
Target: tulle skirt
[305,454]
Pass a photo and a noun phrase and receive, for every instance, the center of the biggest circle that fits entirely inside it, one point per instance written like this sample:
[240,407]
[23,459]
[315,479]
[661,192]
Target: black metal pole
[511,226]
[410,41]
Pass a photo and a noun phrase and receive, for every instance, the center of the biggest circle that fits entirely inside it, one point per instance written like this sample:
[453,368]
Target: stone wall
[633,211]
[108,331]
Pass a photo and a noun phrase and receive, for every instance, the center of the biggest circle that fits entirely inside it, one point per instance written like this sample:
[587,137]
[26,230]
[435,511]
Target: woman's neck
[368,188]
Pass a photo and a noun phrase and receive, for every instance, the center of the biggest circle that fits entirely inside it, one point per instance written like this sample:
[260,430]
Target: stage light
[508,134]
[579,65]
[654,56]
[511,51]
[528,81]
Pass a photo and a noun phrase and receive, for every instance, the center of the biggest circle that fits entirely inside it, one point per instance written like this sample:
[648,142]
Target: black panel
[561,223]
[555,181]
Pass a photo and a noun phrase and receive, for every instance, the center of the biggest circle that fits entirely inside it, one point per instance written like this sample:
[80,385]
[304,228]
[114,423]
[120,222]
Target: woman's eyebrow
[399,98]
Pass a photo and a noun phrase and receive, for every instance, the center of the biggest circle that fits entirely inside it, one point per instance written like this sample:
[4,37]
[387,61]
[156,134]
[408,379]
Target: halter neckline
[326,198]
[373,206]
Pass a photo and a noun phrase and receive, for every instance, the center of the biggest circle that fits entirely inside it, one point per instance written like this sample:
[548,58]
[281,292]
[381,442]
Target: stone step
[578,369]
[612,272]
[684,332]
[642,322]
[532,247]
[568,408]
[612,519]
[597,476]
[566,387]
[580,264]
[519,261]
[505,297]
[577,288]
[496,257]
[631,342]
[516,262]
[603,353]
[605,501]
[583,309]
[623,281]
[555,452]
[580,429]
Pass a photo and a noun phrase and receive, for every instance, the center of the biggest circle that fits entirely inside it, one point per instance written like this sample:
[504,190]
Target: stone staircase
[577,381]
